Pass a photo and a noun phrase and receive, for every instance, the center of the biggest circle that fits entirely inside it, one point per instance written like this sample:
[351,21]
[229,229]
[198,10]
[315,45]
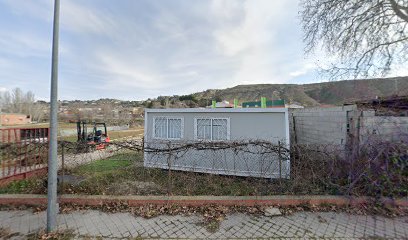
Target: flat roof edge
[217,110]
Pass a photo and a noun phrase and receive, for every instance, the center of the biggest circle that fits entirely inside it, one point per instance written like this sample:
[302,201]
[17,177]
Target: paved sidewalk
[235,226]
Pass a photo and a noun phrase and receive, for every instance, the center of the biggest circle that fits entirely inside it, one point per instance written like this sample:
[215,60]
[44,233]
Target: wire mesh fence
[237,168]
[22,151]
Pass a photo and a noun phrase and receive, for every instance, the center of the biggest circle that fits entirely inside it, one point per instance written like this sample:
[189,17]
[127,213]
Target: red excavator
[98,137]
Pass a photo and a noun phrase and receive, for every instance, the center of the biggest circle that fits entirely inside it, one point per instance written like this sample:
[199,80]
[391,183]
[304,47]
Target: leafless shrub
[379,169]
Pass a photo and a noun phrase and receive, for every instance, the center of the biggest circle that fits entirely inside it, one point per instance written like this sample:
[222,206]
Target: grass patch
[124,174]
[34,185]
[104,166]
[113,135]
[72,138]
[125,133]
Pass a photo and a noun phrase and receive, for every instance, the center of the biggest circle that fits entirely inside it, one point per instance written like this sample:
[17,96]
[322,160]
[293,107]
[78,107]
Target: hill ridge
[313,94]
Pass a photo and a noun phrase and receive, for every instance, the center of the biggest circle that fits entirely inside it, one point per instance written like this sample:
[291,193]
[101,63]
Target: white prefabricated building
[175,128]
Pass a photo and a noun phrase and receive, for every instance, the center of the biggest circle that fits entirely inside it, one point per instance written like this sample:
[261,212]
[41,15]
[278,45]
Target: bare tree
[5,100]
[367,38]
[75,109]
[16,101]
[107,110]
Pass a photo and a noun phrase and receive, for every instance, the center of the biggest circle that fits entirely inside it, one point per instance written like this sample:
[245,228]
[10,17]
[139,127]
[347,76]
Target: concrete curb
[278,200]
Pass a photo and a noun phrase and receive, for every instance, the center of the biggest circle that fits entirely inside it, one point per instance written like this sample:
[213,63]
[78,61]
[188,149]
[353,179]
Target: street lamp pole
[52,207]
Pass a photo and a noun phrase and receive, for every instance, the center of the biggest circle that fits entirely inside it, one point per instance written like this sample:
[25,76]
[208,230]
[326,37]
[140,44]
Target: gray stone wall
[320,125]
[386,128]
[344,126]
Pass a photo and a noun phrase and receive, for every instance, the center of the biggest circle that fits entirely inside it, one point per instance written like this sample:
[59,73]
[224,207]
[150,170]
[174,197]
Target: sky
[139,49]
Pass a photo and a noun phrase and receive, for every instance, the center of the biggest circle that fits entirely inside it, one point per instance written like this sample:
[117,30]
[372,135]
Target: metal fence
[380,169]
[24,151]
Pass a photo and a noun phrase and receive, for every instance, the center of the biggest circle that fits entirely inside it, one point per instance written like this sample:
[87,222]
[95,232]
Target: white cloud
[400,71]
[247,33]
[75,16]
[78,17]
[127,74]
[159,48]
[141,49]
[304,70]
[24,44]
[39,9]
[169,25]
[240,50]
[253,39]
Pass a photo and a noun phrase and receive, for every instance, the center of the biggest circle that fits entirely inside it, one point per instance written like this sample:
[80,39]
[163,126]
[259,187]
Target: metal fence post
[169,181]
[280,160]
[62,166]
[52,207]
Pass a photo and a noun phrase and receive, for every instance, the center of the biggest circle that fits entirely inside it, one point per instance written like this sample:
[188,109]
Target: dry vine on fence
[379,168]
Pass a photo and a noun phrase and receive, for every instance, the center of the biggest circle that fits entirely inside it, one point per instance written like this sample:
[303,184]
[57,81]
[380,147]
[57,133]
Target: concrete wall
[386,128]
[345,127]
[320,125]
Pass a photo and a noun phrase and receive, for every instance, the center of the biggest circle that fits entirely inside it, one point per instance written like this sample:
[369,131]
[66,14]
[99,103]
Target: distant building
[280,103]
[223,104]
[10,119]
[384,106]
[293,105]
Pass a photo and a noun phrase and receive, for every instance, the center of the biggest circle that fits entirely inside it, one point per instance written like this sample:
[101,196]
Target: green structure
[264,103]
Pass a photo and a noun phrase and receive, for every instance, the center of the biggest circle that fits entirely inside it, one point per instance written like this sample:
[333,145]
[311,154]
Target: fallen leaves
[213,215]
[57,235]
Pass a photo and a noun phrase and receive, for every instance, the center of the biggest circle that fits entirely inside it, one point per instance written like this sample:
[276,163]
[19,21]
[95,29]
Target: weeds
[378,170]
[33,185]
[5,233]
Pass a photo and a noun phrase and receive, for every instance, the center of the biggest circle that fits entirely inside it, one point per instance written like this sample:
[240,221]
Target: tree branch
[400,11]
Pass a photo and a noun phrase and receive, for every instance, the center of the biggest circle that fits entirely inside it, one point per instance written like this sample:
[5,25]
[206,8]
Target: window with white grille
[168,128]
[212,128]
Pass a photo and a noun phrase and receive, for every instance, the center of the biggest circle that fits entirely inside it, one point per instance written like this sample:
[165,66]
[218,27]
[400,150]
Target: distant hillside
[333,93]
[326,93]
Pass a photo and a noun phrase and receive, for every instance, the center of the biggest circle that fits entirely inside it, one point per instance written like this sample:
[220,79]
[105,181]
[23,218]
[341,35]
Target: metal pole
[62,167]
[52,207]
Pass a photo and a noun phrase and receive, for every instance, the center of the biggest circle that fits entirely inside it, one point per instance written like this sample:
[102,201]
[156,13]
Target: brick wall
[14,119]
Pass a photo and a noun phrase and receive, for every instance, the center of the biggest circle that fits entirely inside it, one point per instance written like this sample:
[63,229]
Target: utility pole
[52,207]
